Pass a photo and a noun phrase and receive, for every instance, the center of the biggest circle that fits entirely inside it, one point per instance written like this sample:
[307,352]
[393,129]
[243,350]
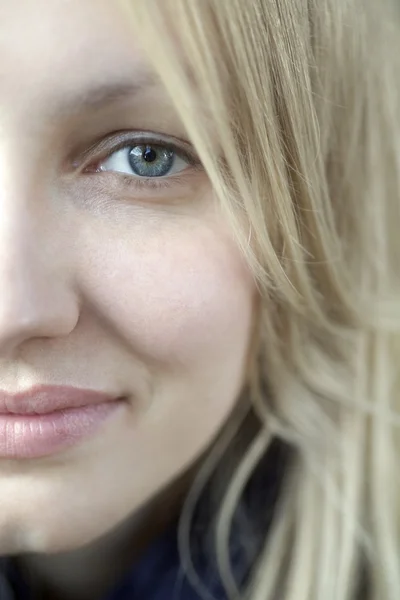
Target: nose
[36,298]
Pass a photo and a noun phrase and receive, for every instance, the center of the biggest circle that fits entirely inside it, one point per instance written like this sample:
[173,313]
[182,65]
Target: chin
[45,539]
[39,543]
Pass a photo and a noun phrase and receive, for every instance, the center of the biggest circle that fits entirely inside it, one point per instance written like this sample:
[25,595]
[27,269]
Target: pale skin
[104,284]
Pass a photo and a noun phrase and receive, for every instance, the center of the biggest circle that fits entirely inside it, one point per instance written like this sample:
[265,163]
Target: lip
[44,399]
[47,419]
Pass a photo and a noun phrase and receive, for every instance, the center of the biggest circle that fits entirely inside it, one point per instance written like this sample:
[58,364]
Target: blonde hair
[293,107]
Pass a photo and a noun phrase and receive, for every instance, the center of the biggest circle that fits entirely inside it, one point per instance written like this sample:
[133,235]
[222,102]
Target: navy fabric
[156,576]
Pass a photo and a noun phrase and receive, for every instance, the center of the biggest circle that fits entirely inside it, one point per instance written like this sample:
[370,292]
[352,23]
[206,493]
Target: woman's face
[107,281]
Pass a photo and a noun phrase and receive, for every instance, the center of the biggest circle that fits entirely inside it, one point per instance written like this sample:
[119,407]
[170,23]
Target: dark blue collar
[157,575]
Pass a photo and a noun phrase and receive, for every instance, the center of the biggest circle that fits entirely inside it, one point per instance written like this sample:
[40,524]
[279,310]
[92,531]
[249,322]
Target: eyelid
[116,141]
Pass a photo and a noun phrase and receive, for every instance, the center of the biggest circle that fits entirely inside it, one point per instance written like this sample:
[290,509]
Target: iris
[151,161]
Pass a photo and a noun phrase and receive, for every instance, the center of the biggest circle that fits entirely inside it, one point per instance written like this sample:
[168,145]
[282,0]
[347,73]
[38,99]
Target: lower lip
[34,436]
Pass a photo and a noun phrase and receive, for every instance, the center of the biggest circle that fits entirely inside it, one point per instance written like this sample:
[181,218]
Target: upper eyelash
[190,158]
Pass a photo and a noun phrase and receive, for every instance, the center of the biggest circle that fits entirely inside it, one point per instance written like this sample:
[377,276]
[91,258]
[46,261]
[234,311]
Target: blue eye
[145,160]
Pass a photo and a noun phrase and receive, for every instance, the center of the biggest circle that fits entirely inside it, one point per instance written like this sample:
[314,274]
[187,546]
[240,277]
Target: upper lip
[43,399]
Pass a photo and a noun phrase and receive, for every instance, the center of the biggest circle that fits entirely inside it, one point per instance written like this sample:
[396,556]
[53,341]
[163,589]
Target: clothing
[156,576]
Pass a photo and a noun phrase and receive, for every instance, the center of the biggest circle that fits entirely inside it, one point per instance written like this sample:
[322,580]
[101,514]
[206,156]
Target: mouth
[49,419]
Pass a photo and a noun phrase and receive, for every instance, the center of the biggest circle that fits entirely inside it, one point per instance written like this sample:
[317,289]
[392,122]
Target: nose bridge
[35,299]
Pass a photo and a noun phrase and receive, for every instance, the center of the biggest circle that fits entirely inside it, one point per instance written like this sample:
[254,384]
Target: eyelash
[146,183]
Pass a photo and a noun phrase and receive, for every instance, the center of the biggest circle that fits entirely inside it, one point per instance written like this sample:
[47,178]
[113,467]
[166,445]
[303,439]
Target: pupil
[149,155]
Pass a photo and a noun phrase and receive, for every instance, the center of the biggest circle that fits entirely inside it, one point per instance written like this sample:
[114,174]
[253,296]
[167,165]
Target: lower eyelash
[152,183]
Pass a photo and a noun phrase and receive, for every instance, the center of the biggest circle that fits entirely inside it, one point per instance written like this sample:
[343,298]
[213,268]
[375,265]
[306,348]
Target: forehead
[58,45]
[62,24]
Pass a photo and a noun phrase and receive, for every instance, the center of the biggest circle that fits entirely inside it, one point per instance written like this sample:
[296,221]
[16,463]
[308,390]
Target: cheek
[171,296]
[180,297]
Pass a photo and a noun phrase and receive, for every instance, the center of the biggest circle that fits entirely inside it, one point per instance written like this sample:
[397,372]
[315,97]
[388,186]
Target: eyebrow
[106,92]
